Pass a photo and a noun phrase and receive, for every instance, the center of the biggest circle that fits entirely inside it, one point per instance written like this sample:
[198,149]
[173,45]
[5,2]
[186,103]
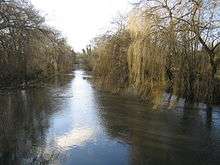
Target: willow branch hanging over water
[165,45]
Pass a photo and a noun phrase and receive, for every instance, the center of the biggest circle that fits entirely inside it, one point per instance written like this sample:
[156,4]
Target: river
[68,121]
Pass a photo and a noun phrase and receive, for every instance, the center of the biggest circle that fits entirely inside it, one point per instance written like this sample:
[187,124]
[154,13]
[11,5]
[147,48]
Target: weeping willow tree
[146,59]
[111,66]
[190,31]
[165,45]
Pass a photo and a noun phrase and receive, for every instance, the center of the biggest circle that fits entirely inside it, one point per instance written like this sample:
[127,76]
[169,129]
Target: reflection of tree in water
[24,122]
[180,136]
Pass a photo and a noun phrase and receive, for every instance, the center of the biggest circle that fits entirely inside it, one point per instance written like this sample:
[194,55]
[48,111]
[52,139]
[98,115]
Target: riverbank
[30,49]
[161,100]
[31,83]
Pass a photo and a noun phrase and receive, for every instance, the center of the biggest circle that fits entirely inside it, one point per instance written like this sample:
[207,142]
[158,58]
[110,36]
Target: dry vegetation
[165,45]
[28,48]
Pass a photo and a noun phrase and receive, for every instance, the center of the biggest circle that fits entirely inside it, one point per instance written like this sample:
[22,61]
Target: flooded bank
[69,122]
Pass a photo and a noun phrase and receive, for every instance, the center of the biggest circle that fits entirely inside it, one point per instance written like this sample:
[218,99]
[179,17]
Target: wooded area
[29,49]
[163,45]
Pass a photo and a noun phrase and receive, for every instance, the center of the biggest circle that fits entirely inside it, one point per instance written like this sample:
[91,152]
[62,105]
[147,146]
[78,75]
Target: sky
[81,20]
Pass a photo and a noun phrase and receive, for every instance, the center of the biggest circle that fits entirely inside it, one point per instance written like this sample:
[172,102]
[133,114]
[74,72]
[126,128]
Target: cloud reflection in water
[76,137]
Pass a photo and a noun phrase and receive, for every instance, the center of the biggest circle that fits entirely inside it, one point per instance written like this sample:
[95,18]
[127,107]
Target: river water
[69,122]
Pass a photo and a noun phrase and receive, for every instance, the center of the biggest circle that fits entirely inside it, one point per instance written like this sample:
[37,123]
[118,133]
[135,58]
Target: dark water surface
[71,123]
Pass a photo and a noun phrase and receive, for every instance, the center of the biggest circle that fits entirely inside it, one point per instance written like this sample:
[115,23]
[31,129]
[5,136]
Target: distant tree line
[28,47]
[164,45]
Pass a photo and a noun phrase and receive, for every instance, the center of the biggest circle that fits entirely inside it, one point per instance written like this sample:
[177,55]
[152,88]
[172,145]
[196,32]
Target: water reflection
[69,122]
[181,135]
[22,130]
[74,138]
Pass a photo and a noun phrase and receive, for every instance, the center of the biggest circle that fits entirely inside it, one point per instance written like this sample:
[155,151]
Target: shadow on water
[22,130]
[69,122]
[24,122]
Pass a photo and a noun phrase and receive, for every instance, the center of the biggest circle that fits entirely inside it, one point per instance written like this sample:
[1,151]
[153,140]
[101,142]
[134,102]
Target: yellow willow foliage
[153,55]
[146,62]
[139,24]
[111,66]
[103,61]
